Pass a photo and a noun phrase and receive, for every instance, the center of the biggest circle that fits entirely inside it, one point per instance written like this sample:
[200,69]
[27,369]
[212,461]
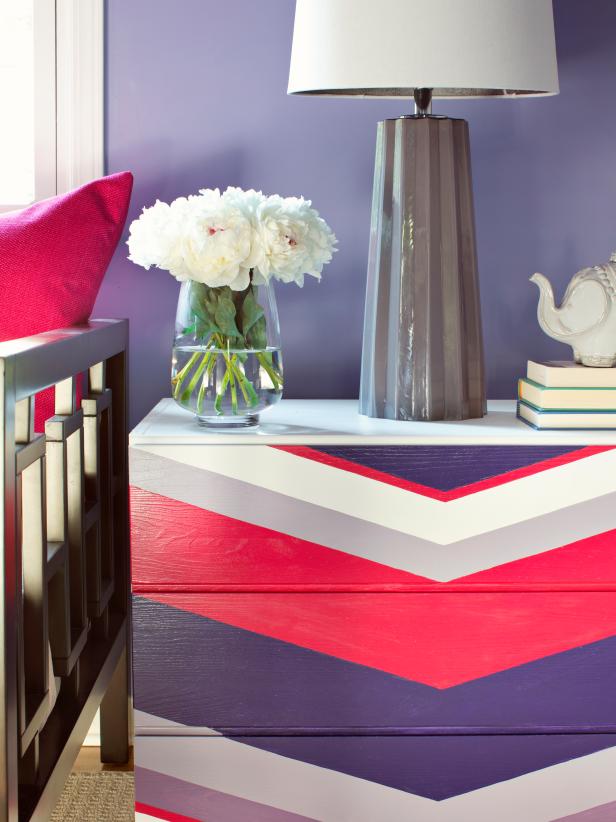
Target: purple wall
[196,97]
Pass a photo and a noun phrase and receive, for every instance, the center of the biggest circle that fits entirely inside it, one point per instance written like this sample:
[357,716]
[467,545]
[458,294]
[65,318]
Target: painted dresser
[349,620]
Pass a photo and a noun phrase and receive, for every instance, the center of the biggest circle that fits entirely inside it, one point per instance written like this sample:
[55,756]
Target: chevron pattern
[375,632]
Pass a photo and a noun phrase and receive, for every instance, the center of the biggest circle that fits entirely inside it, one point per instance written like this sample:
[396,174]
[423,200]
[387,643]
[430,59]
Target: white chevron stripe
[297,787]
[401,510]
[145,817]
[358,537]
[240,770]
[142,719]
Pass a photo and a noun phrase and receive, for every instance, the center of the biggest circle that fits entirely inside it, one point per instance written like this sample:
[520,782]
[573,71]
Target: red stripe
[441,640]
[174,543]
[442,496]
[590,561]
[159,813]
[180,546]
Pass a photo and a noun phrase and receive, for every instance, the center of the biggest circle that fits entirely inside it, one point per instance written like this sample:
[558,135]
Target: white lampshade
[458,48]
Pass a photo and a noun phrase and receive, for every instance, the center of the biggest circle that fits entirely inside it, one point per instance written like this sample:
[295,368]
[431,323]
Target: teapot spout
[575,317]
[545,288]
[547,313]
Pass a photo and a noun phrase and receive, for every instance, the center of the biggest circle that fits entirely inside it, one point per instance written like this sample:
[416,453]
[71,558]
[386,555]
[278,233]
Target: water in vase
[226,387]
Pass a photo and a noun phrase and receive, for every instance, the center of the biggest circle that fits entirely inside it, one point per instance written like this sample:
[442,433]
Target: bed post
[115,714]
[8,585]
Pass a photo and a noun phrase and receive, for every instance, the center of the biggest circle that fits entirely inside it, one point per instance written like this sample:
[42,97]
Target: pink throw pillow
[53,257]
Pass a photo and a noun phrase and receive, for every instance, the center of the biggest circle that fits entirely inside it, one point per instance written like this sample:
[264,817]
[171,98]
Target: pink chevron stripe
[212,552]
[441,640]
[592,560]
[306,452]
[173,542]
[602,813]
[158,813]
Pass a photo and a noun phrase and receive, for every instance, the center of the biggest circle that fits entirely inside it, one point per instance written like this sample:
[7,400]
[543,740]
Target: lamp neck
[423,102]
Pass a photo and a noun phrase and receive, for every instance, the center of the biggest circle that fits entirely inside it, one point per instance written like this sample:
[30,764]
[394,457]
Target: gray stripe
[602,813]
[288,515]
[170,794]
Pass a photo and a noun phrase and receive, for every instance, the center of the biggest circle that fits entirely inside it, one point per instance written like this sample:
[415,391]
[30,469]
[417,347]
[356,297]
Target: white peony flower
[248,203]
[217,242]
[155,238]
[293,240]
[219,239]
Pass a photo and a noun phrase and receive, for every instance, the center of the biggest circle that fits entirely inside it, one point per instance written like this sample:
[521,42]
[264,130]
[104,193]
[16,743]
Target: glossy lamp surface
[422,350]
[422,355]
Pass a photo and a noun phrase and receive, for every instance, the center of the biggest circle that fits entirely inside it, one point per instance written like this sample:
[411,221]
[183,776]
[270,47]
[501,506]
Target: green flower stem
[253,398]
[248,392]
[268,366]
[198,371]
[196,376]
[241,379]
[202,390]
[212,364]
[205,381]
[220,341]
[181,375]
[221,393]
[186,394]
[233,386]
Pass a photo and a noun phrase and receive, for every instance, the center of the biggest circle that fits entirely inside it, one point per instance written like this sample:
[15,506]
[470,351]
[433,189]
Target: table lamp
[423,351]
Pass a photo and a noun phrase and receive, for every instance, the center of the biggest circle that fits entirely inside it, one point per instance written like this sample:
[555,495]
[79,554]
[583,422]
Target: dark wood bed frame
[64,557]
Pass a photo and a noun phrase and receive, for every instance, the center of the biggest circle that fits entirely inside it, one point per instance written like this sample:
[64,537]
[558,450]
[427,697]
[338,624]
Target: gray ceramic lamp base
[423,351]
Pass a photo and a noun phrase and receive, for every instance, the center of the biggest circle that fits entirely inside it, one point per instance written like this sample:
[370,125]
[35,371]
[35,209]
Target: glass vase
[227,365]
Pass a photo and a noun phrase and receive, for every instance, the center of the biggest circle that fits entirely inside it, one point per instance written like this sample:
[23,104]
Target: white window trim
[45,100]
[69,94]
[80,147]
[80,32]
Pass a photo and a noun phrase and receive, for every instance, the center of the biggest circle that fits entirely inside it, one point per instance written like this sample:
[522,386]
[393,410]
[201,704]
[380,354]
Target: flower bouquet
[227,249]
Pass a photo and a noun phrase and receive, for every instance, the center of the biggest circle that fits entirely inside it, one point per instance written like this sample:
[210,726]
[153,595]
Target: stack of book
[567,395]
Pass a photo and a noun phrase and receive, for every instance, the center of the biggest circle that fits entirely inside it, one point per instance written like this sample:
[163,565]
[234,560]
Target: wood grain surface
[359,633]
[405,663]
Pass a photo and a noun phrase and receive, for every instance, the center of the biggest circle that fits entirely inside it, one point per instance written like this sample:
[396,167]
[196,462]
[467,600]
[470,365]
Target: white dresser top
[323,422]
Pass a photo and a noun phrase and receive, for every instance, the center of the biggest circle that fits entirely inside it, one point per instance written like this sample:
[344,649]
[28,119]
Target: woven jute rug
[97,797]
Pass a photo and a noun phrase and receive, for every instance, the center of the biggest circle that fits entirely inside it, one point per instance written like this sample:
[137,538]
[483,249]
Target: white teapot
[586,320]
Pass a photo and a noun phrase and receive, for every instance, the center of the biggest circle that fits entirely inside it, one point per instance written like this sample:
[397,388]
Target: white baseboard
[93,739]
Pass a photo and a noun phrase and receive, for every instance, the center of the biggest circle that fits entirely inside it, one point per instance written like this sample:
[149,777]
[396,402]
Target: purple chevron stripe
[602,813]
[436,767]
[445,467]
[196,802]
[243,679]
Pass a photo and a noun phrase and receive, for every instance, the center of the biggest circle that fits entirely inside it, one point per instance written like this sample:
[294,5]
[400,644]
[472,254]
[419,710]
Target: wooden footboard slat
[63,559]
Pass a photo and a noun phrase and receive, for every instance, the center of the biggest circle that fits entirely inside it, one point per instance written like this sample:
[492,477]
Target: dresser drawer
[521,778]
[393,518]
[366,662]
[374,632]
